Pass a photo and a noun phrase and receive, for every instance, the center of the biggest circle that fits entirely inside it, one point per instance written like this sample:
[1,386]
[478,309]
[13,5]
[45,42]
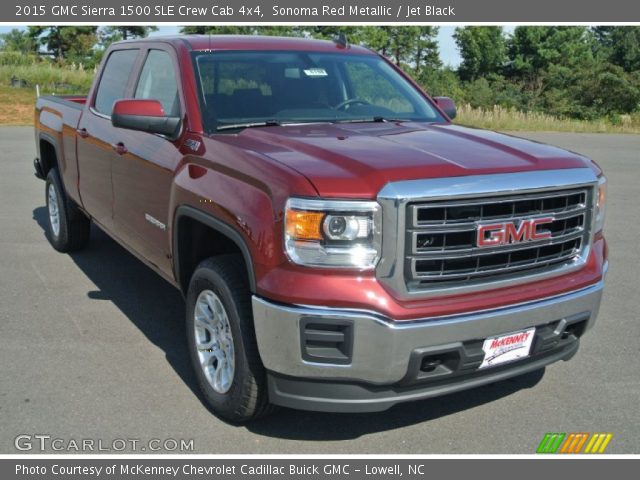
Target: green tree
[483,51]
[72,42]
[112,34]
[549,63]
[274,30]
[609,90]
[414,48]
[533,50]
[18,41]
[620,45]
[354,34]
[480,94]
[442,82]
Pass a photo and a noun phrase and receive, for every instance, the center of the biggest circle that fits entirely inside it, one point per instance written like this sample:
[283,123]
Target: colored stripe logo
[598,443]
[574,442]
[550,443]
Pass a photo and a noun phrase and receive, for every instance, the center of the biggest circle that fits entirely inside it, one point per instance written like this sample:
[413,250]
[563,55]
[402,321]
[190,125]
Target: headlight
[601,203]
[328,233]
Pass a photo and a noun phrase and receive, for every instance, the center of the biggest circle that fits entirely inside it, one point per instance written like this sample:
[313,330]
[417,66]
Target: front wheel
[222,341]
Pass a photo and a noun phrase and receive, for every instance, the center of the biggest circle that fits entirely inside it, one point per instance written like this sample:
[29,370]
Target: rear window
[113,83]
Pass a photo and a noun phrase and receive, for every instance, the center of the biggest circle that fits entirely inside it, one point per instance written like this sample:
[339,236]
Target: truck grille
[441,240]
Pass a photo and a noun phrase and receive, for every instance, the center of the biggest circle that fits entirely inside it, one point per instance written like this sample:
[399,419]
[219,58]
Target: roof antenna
[341,40]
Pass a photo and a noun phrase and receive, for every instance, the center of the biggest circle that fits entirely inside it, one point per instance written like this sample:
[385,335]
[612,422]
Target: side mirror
[145,116]
[447,105]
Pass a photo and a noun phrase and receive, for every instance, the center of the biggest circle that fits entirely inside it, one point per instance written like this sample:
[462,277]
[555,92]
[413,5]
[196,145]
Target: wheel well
[48,156]
[196,241]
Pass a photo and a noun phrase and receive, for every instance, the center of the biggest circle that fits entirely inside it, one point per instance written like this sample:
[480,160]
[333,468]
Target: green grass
[503,119]
[16,104]
[50,78]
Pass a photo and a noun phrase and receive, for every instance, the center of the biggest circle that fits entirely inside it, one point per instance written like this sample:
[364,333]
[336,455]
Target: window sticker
[315,72]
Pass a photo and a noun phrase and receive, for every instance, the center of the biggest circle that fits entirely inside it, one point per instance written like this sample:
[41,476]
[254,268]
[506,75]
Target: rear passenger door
[143,171]
[96,137]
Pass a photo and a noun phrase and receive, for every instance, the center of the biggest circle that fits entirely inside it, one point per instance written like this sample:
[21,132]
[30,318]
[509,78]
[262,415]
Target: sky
[448,50]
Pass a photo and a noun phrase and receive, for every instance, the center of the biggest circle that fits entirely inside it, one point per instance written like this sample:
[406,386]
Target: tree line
[568,71]
[83,45]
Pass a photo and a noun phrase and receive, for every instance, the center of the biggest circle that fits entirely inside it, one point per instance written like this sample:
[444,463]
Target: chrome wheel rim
[54,210]
[214,341]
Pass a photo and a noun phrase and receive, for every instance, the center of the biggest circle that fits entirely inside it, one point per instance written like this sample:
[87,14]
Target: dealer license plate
[507,348]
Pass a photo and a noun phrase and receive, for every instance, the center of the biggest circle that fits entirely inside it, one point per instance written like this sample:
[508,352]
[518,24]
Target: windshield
[268,88]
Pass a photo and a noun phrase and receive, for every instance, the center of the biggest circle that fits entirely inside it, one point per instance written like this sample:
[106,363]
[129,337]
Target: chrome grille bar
[507,266]
[475,251]
[511,203]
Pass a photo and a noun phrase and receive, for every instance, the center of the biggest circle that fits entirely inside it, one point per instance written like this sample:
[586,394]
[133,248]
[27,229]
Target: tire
[228,367]
[68,228]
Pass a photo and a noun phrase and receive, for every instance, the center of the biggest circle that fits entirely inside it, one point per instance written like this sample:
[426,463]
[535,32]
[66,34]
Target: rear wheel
[222,341]
[68,228]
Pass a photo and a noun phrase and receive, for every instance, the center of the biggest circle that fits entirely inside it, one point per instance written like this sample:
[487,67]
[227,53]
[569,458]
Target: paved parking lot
[91,346]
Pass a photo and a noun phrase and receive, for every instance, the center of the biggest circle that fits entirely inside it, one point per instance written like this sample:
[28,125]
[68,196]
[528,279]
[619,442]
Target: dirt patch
[16,106]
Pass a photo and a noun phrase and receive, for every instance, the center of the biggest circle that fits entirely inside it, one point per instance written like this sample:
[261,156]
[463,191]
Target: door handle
[82,132]
[119,148]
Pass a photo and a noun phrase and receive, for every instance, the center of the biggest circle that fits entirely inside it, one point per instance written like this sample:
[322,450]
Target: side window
[158,82]
[113,83]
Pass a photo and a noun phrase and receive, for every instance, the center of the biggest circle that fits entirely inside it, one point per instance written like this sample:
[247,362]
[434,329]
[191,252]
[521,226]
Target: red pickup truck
[341,245]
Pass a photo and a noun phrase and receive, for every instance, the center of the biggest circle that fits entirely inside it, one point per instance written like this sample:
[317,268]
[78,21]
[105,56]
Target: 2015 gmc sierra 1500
[341,245]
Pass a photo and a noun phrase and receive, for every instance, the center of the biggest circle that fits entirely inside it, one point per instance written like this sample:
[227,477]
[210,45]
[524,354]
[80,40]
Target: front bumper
[350,360]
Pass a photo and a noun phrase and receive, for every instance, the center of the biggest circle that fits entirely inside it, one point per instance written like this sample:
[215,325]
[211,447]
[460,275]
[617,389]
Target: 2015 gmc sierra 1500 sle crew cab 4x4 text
[341,245]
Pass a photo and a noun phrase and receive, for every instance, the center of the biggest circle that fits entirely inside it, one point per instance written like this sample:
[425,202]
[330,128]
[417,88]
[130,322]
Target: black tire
[73,226]
[247,397]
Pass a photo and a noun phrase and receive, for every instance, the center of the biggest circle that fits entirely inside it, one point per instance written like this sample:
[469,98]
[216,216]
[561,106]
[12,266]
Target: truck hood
[357,160]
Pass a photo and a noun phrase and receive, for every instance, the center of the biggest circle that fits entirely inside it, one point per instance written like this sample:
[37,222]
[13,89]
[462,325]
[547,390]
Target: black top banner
[318,11]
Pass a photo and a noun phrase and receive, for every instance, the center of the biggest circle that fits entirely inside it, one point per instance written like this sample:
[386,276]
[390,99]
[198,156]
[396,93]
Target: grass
[502,119]
[51,79]
[16,104]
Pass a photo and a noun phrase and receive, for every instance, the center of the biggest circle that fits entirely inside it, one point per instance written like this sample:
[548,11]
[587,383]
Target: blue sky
[448,50]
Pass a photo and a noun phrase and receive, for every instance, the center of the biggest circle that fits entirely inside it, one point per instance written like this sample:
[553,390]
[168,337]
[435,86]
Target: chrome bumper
[381,349]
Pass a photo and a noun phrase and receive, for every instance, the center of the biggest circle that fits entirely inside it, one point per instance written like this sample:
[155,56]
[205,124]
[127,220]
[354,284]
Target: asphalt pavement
[92,348]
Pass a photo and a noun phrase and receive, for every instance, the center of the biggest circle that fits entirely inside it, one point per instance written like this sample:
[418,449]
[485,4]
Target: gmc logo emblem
[507,233]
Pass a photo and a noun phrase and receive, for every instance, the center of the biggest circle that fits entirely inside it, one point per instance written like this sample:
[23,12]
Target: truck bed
[73,101]
[56,120]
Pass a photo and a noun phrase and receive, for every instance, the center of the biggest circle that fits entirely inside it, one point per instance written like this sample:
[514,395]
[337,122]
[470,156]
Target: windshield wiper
[275,123]
[376,119]
[267,123]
